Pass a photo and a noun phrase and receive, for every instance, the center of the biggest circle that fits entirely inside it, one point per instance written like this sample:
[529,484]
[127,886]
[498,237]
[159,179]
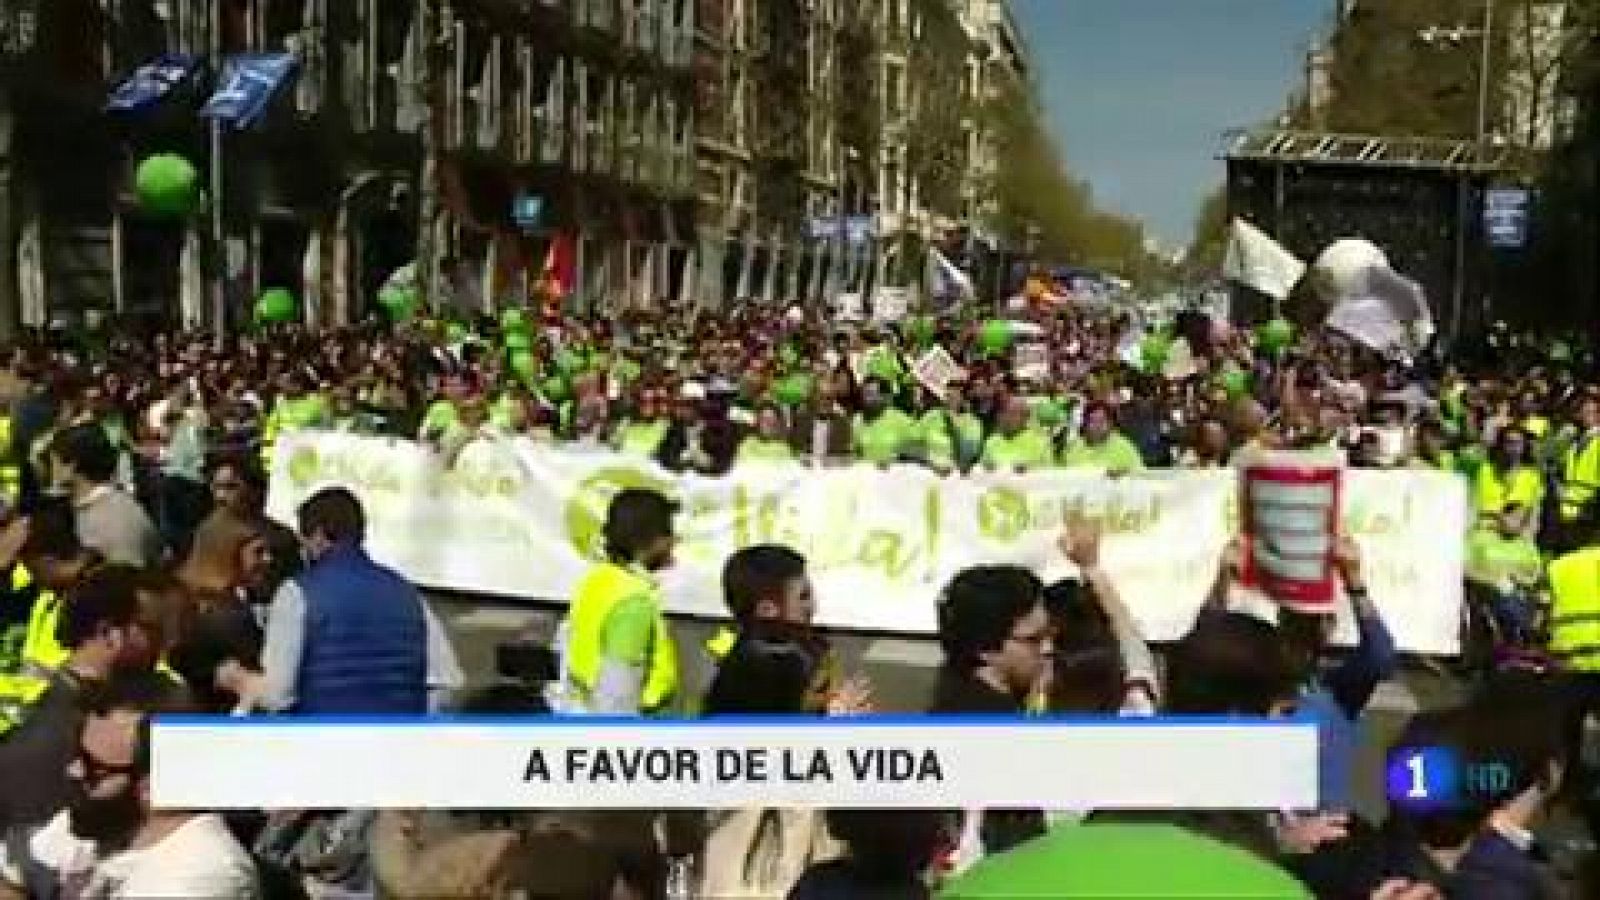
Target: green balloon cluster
[167,185]
[275,306]
[994,337]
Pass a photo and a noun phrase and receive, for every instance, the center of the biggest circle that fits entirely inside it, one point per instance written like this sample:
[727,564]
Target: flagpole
[219,248]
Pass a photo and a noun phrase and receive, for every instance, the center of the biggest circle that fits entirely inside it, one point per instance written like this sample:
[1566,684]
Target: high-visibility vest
[598,594]
[1492,493]
[41,649]
[1580,476]
[1575,609]
[18,694]
[10,464]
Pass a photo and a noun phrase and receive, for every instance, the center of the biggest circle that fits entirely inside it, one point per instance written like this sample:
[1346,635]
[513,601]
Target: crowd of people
[145,577]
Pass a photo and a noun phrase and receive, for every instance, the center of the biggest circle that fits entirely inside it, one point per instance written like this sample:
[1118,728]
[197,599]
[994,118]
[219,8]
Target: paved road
[901,671]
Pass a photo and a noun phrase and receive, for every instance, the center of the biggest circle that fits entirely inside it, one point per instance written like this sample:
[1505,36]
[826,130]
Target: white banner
[852,763]
[515,518]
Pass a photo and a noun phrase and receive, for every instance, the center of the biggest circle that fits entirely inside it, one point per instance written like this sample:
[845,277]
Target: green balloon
[513,319]
[455,333]
[1050,412]
[1154,351]
[518,341]
[167,185]
[793,390]
[555,388]
[400,303]
[1236,382]
[524,365]
[569,362]
[1275,335]
[920,330]
[1124,860]
[275,306]
[994,337]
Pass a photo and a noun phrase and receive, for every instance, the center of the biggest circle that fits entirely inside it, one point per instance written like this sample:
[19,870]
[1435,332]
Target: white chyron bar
[905,763]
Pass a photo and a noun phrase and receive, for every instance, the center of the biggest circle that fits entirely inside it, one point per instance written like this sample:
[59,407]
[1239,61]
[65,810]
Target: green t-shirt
[759,449]
[1116,453]
[642,438]
[308,411]
[440,417]
[883,439]
[936,427]
[1029,448]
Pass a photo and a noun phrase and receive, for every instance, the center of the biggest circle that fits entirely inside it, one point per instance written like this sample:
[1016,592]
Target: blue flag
[146,85]
[248,83]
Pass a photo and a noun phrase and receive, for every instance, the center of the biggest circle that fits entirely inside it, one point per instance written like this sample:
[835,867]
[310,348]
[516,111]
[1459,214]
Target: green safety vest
[1575,609]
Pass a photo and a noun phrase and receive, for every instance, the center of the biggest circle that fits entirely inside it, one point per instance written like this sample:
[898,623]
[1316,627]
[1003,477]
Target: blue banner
[145,86]
[249,82]
[1505,217]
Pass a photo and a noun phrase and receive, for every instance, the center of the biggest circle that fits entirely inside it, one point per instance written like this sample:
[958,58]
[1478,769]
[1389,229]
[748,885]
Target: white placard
[872,763]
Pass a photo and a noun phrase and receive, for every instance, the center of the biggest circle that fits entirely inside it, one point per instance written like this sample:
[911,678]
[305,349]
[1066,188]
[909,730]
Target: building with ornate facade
[678,151]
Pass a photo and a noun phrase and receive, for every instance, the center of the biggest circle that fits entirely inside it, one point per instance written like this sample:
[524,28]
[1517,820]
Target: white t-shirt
[198,859]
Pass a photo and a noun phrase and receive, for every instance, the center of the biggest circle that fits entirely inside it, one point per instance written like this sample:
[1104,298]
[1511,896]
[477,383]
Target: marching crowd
[144,577]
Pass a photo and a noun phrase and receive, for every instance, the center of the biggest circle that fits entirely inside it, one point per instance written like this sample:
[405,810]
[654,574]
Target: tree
[1038,195]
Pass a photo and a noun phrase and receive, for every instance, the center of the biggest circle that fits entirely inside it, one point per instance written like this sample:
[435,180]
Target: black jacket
[960,692]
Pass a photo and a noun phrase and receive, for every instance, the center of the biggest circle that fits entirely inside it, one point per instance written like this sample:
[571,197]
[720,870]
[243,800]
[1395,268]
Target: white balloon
[1343,262]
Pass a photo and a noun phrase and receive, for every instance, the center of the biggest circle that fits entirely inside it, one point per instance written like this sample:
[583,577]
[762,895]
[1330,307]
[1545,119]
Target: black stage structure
[1419,199]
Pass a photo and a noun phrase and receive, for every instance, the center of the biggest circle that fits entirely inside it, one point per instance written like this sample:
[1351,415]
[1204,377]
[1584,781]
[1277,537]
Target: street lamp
[1435,35]
[1455,35]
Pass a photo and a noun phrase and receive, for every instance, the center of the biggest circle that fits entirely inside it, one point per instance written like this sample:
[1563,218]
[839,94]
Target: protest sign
[1291,521]
[935,370]
[1032,362]
[890,304]
[517,519]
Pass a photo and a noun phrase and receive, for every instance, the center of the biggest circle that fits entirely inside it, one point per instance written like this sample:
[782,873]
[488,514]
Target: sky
[1139,92]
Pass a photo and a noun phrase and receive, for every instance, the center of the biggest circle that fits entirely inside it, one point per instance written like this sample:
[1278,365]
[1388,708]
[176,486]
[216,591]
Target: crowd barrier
[520,519]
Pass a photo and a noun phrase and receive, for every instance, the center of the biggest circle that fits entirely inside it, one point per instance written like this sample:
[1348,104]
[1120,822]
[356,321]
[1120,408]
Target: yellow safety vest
[1580,476]
[18,694]
[1523,486]
[10,468]
[41,650]
[1575,609]
[598,594]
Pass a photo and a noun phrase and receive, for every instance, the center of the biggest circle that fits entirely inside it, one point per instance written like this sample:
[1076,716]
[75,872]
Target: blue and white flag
[248,83]
[145,86]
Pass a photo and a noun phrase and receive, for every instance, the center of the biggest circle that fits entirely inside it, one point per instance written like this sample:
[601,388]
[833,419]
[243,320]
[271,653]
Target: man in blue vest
[347,635]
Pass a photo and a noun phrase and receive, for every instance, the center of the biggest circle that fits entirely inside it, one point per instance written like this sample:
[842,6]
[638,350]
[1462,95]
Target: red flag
[560,265]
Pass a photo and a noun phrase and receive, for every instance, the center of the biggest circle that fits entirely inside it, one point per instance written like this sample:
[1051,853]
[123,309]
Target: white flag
[1259,262]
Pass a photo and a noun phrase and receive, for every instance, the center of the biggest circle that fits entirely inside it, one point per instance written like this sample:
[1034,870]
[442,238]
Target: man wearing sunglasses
[109,841]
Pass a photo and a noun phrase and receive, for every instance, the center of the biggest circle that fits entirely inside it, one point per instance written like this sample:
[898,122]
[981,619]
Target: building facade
[680,151]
